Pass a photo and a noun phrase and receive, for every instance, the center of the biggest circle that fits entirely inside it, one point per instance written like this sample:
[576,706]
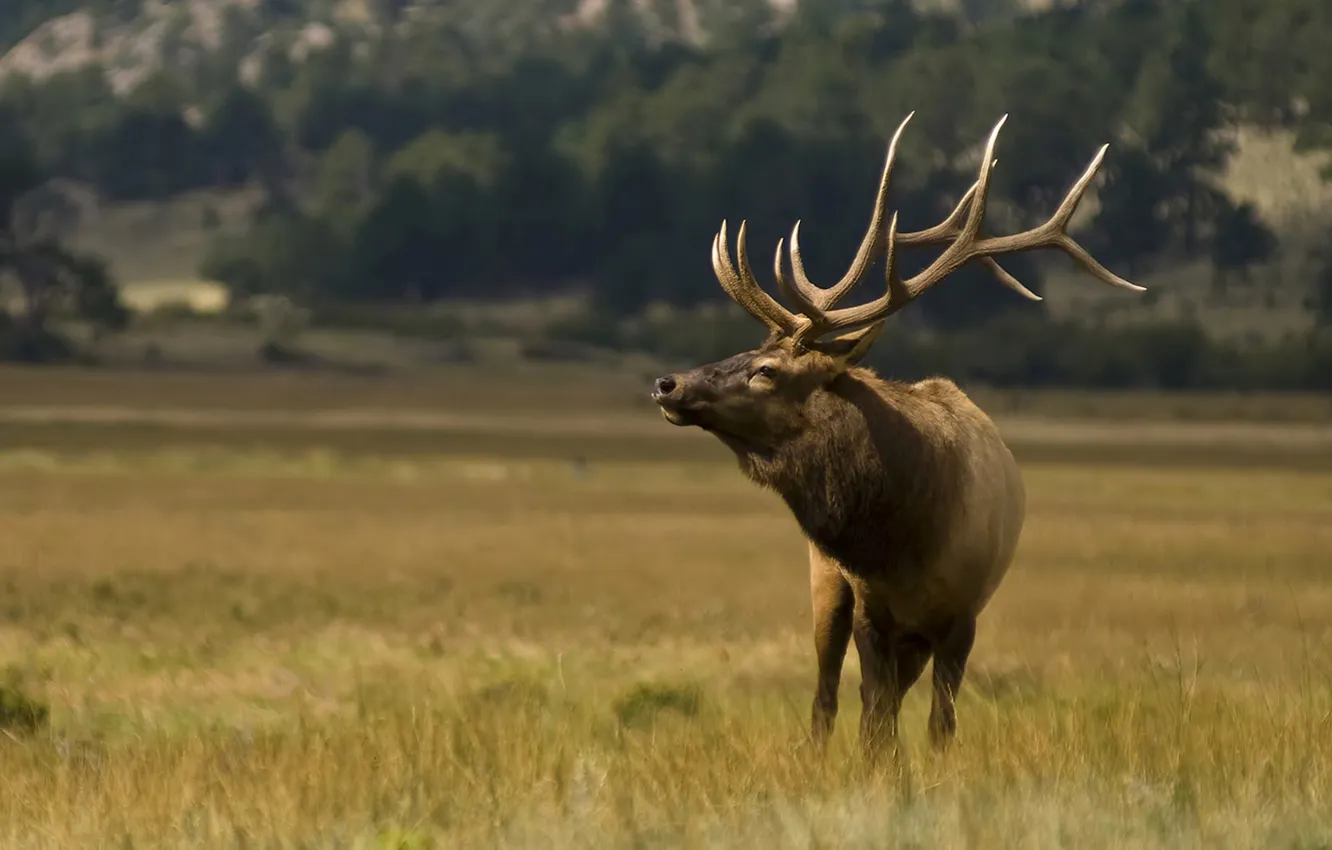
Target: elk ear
[851,348]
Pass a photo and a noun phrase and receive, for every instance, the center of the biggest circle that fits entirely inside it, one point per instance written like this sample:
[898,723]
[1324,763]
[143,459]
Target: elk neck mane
[876,466]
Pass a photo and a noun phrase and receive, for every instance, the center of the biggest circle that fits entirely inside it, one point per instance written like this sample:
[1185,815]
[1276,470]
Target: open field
[304,611]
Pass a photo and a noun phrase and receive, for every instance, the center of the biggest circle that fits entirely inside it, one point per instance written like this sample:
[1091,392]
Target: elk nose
[665,386]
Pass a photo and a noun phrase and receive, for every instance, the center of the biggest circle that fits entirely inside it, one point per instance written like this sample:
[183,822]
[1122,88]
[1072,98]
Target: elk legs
[833,604]
[950,663]
[890,663]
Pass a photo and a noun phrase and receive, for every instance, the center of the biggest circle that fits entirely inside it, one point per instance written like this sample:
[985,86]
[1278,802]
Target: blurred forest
[422,151]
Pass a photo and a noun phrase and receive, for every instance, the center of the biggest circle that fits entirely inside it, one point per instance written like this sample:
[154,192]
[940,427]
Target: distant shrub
[642,705]
[20,712]
[408,321]
[562,351]
[395,838]
[22,345]
[519,691]
[280,354]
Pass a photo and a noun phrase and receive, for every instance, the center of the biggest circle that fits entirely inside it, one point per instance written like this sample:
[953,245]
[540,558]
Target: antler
[745,289]
[809,296]
[960,231]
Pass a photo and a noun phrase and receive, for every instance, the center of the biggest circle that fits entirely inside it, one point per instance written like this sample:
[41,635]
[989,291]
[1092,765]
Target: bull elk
[910,501]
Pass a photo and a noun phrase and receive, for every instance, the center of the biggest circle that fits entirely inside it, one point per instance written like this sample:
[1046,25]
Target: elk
[908,497]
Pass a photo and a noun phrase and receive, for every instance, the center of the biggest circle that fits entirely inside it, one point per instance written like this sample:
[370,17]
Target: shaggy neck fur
[872,467]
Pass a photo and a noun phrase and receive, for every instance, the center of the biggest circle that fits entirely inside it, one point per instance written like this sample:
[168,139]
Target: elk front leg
[890,663]
[950,664]
[833,604]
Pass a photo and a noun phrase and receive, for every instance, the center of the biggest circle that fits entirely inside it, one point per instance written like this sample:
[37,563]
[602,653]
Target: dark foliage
[496,155]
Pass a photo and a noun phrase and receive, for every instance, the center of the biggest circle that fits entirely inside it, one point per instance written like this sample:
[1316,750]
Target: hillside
[173,35]
[156,248]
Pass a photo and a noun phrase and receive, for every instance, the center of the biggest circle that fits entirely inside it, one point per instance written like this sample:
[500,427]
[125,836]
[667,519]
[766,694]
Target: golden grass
[479,644]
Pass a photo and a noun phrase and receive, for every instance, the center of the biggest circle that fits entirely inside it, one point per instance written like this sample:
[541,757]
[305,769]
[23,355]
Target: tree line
[499,154]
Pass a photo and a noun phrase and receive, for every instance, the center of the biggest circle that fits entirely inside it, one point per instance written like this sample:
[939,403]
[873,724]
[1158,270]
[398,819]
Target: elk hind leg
[890,663]
[950,664]
[833,604]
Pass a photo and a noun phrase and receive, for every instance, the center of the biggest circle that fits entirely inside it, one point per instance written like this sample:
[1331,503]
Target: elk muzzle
[671,393]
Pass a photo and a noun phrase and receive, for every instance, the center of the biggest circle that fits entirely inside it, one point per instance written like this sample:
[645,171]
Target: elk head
[758,399]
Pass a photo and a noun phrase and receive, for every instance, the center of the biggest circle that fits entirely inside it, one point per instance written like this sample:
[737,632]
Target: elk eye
[766,372]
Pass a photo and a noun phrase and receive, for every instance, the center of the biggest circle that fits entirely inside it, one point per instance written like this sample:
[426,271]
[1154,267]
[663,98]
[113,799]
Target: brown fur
[911,503]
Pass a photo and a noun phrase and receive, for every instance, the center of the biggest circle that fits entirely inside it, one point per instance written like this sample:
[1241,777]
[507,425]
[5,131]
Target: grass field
[332,612]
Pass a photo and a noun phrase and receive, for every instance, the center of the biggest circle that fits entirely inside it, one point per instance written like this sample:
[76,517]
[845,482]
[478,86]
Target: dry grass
[416,638]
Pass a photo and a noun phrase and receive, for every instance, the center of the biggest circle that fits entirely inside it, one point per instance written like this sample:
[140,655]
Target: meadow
[321,611]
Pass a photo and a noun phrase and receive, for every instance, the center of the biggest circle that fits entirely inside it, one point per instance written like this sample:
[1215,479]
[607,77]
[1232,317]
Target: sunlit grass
[300,642]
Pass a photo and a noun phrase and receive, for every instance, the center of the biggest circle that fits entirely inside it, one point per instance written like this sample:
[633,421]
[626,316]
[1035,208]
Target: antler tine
[952,258]
[968,245]
[949,229]
[955,254]
[744,288]
[1055,233]
[814,300]
[896,297]
[783,283]
[944,230]
[896,291]
[1052,234]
